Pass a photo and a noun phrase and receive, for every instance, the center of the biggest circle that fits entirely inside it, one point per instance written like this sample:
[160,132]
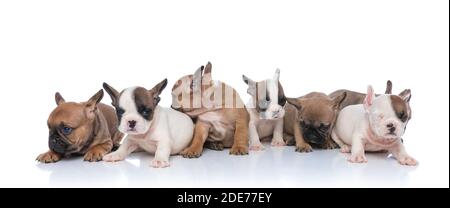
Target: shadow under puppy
[376,125]
[221,116]
[266,109]
[309,120]
[86,128]
[149,127]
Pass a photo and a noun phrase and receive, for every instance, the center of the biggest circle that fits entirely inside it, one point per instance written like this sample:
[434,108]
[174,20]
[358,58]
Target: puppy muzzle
[57,144]
[314,138]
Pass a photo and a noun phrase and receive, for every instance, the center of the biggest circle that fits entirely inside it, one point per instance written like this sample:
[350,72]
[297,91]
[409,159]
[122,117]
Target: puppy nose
[390,125]
[132,123]
[392,129]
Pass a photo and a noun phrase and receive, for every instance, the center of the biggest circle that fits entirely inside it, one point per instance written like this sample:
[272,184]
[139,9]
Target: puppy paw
[191,153]
[159,163]
[303,148]
[329,144]
[278,142]
[256,147]
[345,149]
[239,150]
[113,157]
[94,155]
[408,160]
[357,158]
[49,157]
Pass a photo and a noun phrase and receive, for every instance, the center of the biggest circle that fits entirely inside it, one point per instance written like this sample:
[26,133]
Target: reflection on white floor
[274,167]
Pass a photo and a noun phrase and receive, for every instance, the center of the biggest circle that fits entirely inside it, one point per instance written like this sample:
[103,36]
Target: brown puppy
[220,115]
[354,98]
[87,128]
[309,120]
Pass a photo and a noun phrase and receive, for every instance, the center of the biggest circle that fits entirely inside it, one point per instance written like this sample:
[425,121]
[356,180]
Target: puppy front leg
[301,145]
[255,143]
[200,134]
[344,147]
[162,155]
[120,154]
[49,157]
[240,143]
[402,156]
[96,152]
[357,155]
[277,139]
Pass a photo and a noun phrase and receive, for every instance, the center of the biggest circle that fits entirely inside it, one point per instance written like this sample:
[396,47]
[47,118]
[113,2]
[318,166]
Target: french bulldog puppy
[221,116]
[354,98]
[309,120]
[149,127]
[266,109]
[377,124]
[86,128]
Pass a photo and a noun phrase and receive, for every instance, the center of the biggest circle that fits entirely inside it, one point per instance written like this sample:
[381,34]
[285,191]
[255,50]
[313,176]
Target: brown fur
[94,128]
[314,109]
[234,120]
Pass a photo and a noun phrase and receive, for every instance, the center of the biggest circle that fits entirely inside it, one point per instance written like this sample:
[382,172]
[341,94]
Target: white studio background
[74,46]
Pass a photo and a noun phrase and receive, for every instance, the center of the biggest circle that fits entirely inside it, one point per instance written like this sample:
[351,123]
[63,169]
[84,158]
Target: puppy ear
[112,93]
[157,90]
[276,76]
[295,102]
[91,104]
[388,87]
[368,100]
[197,79]
[94,100]
[59,99]
[207,77]
[337,101]
[405,95]
[251,90]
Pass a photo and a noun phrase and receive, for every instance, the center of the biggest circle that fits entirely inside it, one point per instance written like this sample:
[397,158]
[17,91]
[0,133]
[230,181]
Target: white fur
[126,102]
[168,133]
[268,123]
[361,128]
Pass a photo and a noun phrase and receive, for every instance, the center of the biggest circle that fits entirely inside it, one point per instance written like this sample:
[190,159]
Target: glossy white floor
[274,167]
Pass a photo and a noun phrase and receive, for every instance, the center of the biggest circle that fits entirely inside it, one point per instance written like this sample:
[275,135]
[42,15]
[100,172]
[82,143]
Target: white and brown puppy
[266,109]
[86,128]
[354,98]
[149,126]
[221,116]
[377,124]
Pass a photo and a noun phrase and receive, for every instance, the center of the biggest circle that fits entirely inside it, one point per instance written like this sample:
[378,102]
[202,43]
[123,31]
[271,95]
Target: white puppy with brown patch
[266,109]
[377,124]
[157,130]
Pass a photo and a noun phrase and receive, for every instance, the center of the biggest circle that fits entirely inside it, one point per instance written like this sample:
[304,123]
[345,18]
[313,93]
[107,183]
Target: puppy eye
[144,111]
[66,130]
[120,111]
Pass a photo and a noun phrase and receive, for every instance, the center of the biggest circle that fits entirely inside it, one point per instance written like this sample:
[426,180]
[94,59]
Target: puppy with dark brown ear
[86,128]
[150,127]
[309,121]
